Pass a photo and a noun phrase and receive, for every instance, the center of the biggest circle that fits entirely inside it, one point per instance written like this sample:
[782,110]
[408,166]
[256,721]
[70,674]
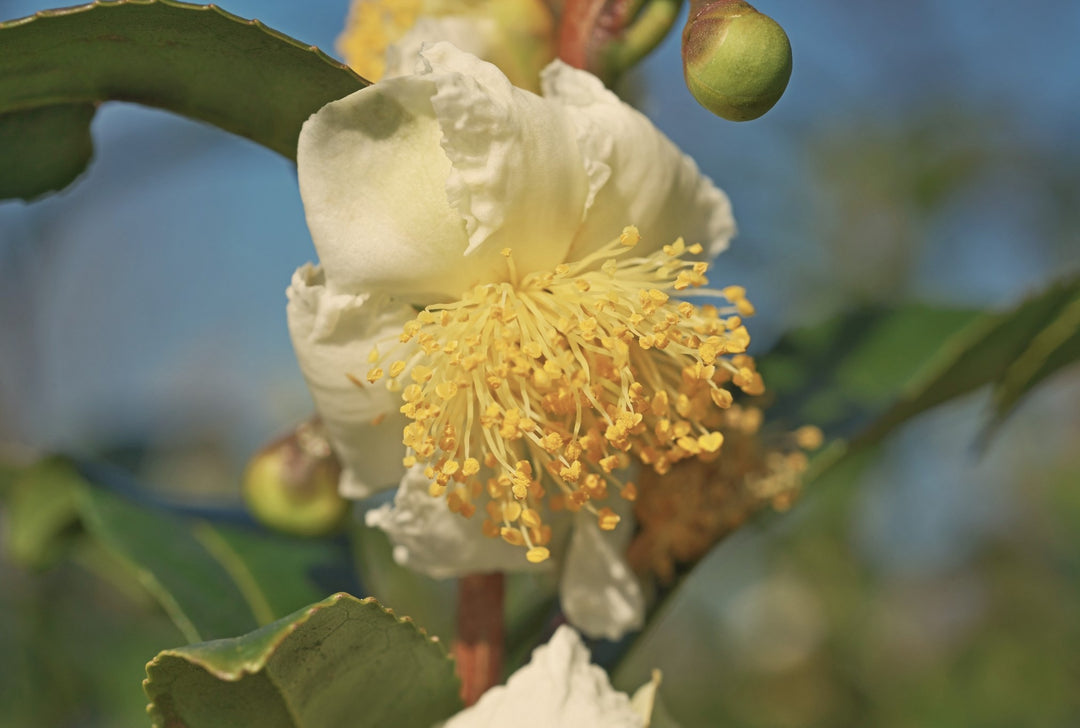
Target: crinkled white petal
[516,174]
[637,176]
[559,688]
[430,539]
[475,34]
[414,185]
[332,334]
[599,593]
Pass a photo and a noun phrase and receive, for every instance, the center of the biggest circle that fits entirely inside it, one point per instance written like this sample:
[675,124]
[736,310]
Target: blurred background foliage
[924,155]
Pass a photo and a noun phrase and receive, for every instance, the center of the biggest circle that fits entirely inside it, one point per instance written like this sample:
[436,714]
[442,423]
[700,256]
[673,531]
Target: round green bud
[291,485]
[736,61]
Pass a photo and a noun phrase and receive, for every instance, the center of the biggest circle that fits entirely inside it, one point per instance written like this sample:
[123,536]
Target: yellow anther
[809,437]
[420,373]
[413,394]
[537,554]
[373,355]
[436,490]
[511,510]
[571,472]
[531,518]
[733,293]
[551,442]
[446,390]
[721,398]
[454,502]
[471,466]
[512,536]
[629,236]
[711,442]
[374,375]
[610,463]
[505,252]
[689,444]
[608,519]
[397,368]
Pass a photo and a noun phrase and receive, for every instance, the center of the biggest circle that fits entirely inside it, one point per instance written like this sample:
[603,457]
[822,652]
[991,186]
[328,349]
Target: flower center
[551,382]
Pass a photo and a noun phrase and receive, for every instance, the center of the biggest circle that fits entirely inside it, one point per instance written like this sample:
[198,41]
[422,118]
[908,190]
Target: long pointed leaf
[195,60]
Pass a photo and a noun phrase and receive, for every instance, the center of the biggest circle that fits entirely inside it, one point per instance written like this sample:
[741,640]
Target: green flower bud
[736,61]
[291,485]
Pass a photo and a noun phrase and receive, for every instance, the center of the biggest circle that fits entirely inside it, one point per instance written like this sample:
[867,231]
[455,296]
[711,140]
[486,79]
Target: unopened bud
[736,61]
[291,485]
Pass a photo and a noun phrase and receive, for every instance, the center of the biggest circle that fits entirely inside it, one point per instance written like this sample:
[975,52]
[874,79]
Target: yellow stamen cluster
[372,26]
[681,514]
[557,379]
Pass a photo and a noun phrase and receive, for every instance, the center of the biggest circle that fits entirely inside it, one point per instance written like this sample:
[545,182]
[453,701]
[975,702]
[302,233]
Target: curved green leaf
[195,60]
[44,148]
[341,662]
[1055,347]
[981,354]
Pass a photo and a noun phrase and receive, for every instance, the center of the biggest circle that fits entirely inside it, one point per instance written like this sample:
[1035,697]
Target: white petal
[332,334]
[637,176]
[429,538]
[599,593]
[516,175]
[372,177]
[559,687]
[414,185]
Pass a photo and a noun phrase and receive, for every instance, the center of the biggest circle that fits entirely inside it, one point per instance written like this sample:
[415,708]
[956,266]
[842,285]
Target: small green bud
[736,61]
[291,485]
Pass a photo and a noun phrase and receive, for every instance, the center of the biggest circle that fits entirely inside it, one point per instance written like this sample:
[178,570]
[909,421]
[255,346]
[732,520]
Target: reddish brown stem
[479,646]
[586,27]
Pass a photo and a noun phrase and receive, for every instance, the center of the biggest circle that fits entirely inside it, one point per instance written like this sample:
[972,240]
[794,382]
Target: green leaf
[981,354]
[341,662]
[195,60]
[864,374]
[44,148]
[842,373]
[1055,347]
[212,580]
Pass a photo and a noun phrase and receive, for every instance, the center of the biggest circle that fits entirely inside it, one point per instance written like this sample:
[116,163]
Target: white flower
[559,687]
[547,355]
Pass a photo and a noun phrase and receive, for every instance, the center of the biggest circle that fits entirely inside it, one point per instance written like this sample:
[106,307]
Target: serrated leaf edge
[300,617]
[212,8]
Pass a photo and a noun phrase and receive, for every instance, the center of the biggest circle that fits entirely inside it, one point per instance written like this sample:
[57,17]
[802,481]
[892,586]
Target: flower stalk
[607,37]
[480,643]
